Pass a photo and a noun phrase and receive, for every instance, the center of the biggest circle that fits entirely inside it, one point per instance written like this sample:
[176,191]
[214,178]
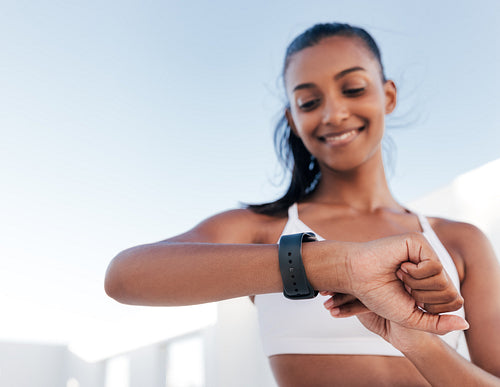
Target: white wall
[45,365]
[238,356]
[232,352]
[473,197]
[87,374]
[147,367]
[32,365]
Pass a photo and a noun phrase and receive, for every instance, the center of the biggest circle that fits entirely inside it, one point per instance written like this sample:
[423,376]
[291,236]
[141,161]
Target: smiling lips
[342,138]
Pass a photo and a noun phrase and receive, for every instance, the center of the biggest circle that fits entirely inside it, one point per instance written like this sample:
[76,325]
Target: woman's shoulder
[465,242]
[457,233]
[237,226]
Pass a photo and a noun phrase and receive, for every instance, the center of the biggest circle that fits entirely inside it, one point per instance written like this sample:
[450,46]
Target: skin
[373,245]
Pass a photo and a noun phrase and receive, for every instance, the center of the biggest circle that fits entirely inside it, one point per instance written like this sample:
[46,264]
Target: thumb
[436,323]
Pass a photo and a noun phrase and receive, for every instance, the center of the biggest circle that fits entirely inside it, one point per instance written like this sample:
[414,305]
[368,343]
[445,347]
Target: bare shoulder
[466,243]
[460,235]
[235,226]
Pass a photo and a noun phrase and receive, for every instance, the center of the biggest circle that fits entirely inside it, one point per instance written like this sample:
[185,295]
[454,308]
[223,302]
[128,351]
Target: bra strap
[293,212]
[424,223]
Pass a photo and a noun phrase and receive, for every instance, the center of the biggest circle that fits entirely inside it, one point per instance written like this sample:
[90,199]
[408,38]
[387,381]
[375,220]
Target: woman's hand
[370,275]
[427,282]
[346,305]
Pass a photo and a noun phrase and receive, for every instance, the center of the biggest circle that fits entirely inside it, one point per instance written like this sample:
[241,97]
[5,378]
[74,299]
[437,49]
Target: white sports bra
[306,327]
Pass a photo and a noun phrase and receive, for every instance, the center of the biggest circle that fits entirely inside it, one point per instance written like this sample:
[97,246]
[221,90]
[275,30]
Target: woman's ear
[390,96]
[289,119]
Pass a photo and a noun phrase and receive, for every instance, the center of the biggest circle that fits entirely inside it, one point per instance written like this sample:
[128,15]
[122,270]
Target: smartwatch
[295,283]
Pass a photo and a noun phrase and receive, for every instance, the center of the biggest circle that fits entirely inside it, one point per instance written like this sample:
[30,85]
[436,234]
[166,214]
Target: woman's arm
[206,265]
[481,291]
[220,258]
[441,365]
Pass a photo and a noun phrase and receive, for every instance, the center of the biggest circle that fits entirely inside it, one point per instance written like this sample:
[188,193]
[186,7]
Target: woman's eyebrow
[336,77]
[304,86]
[347,71]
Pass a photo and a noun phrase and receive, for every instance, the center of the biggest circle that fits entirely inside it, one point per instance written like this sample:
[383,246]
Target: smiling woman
[344,103]
[384,272]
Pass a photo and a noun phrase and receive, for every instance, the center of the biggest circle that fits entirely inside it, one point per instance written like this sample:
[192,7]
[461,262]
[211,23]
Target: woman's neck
[364,188]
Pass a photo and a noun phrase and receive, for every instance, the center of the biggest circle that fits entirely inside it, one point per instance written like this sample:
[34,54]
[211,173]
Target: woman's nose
[334,112]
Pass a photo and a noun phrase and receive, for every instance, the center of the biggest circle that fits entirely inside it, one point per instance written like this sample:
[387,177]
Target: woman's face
[338,101]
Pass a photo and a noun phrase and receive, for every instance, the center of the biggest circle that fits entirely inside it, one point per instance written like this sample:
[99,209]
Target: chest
[359,228]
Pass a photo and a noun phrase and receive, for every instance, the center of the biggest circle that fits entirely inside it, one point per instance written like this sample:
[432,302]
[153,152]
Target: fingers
[429,285]
[435,297]
[339,299]
[437,282]
[347,310]
[344,305]
[442,308]
[438,301]
[419,248]
[423,269]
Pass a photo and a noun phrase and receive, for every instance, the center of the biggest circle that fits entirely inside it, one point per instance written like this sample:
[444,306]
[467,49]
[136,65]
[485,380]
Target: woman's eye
[354,91]
[308,105]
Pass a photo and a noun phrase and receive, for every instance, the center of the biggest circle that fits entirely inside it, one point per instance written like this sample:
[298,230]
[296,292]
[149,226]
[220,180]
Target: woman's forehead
[332,54]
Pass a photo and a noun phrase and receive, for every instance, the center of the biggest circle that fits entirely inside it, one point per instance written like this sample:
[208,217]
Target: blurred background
[126,122]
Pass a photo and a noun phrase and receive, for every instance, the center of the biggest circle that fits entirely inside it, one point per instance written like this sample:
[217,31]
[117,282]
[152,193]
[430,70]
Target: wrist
[415,342]
[327,265]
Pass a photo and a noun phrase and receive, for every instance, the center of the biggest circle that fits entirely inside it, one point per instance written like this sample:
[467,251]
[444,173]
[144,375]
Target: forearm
[441,365]
[191,273]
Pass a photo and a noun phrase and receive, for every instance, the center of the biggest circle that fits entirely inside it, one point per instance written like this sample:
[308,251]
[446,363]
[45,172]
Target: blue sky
[126,122]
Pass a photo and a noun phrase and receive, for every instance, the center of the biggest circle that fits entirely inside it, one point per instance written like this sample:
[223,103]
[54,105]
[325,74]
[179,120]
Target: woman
[331,137]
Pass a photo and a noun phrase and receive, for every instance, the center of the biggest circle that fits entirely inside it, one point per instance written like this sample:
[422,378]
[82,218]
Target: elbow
[135,277]
[110,286]
[114,281]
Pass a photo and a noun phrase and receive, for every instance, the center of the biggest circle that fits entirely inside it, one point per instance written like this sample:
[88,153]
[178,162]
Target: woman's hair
[290,150]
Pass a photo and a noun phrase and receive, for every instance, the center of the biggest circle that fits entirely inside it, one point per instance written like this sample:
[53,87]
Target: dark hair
[290,150]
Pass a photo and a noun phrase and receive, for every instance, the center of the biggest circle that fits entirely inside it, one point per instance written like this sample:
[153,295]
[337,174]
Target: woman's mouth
[342,138]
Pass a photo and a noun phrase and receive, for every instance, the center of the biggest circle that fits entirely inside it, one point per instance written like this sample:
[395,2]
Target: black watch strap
[295,283]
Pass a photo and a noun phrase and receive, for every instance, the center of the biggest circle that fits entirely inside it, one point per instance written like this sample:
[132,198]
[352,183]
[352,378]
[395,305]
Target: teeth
[340,137]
